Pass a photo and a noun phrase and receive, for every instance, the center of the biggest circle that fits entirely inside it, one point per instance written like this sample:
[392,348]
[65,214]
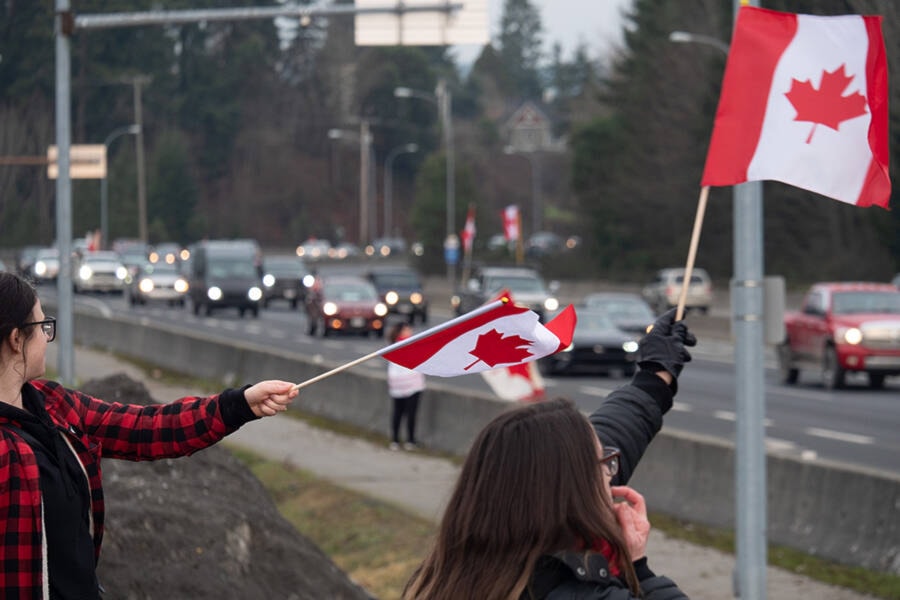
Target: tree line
[237,119]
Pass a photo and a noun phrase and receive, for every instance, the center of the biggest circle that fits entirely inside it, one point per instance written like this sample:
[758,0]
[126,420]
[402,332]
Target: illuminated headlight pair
[551,304]
[848,335]
[215,293]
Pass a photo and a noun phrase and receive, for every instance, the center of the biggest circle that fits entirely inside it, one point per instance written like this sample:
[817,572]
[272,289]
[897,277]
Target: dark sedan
[401,290]
[629,312]
[598,346]
[344,303]
[283,279]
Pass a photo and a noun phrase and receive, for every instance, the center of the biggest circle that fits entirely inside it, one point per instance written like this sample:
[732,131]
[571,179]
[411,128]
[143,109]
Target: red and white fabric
[804,102]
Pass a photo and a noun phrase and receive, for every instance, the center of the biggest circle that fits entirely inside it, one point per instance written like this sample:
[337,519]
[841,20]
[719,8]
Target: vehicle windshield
[397,280]
[622,309]
[160,269]
[848,303]
[284,266]
[232,268]
[349,292]
[593,321]
[516,284]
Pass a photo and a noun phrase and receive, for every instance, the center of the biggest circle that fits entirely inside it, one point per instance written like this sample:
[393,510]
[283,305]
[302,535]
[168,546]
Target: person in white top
[405,386]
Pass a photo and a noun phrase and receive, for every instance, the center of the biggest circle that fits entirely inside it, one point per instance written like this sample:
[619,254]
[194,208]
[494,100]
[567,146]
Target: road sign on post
[86,161]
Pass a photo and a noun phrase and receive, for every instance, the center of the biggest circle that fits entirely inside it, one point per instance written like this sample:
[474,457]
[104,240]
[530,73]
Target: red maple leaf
[494,349]
[826,105]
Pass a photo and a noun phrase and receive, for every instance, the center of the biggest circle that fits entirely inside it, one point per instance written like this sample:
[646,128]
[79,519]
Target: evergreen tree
[520,48]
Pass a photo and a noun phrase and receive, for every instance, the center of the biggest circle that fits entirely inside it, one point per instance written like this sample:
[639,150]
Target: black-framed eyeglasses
[610,461]
[48,326]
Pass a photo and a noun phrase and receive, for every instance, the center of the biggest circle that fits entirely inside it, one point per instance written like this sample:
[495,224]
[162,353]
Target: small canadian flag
[511,223]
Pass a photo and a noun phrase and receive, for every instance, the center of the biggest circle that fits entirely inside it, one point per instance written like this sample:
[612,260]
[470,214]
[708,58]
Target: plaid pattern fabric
[124,431]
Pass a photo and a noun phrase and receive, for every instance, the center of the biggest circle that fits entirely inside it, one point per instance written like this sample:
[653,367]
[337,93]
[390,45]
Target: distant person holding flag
[405,386]
[541,509]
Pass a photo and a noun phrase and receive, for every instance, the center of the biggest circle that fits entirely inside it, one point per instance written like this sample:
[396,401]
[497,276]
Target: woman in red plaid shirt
[51,441]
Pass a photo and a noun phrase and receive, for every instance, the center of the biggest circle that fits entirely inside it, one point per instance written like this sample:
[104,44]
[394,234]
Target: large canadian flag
[498,334]
[804,102]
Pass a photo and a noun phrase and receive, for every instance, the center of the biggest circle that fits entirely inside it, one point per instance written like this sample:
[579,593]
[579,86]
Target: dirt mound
[202,527]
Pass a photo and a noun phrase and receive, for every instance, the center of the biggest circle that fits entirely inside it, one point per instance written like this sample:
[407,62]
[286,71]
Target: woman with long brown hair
[535,513]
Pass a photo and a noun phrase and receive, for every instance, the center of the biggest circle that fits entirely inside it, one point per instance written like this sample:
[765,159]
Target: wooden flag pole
[412,339]
[692,251]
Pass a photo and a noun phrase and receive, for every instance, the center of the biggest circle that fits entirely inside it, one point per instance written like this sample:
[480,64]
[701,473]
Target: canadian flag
[804,102]
[498,334]
[518,383]
[511,222]
[468,233]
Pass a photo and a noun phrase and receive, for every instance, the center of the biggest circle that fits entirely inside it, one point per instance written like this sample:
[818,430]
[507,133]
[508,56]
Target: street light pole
[389,182]
[748,320]
[444,102]
[104,206]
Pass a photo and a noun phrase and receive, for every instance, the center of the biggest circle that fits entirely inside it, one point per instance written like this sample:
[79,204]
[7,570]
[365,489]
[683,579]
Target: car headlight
[214,293]
[454,301]
[630,346]
[392,297]
[309,280]
[121,273]
[146,285]
[40,268]
[381,309]
[849,335]
[85,272]
[551,304]
[268,280]
[181,286]
[255,294]
[330,308]
[416,298]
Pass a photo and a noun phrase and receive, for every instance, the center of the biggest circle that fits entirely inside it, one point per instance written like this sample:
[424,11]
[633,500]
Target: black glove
[663,348]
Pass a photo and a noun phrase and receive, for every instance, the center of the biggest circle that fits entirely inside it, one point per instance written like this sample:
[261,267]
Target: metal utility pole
[365,154]
[137,82]
[389,183]
[445,103]
[104,203]
[748,324]
[66,357]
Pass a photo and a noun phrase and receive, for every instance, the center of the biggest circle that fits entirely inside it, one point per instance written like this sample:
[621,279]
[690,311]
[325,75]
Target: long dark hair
[17,299]
[531,485]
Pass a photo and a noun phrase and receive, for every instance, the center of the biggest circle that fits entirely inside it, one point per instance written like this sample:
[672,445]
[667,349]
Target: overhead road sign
[86,161]
[413,24]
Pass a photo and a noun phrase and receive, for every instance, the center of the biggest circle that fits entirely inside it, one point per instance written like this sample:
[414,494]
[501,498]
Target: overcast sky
[595,22]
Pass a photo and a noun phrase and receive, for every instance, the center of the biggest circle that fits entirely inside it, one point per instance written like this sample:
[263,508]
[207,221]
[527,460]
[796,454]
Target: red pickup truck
[842,328]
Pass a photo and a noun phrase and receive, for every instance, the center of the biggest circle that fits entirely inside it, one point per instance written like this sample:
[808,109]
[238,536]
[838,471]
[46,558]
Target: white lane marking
[777,445]
[840,436]
[229,325]
[595,391]
[682,407]
[809,455]
[253,329]
[727,415]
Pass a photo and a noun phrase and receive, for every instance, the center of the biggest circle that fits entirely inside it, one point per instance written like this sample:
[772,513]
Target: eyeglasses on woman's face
[610,461]
[48,327]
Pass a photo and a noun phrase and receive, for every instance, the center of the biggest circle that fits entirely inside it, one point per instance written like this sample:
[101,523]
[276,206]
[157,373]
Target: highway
[855,425]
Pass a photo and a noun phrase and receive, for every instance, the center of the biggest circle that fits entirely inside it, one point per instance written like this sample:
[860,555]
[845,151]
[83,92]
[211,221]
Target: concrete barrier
[843,513]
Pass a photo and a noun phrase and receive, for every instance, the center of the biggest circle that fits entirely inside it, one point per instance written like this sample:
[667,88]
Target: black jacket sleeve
[630,417]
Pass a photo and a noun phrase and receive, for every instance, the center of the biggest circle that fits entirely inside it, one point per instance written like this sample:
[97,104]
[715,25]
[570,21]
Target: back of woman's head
[17,298]
[531,485]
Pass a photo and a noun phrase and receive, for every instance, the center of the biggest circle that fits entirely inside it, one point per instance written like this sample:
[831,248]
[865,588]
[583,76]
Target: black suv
[400,288]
